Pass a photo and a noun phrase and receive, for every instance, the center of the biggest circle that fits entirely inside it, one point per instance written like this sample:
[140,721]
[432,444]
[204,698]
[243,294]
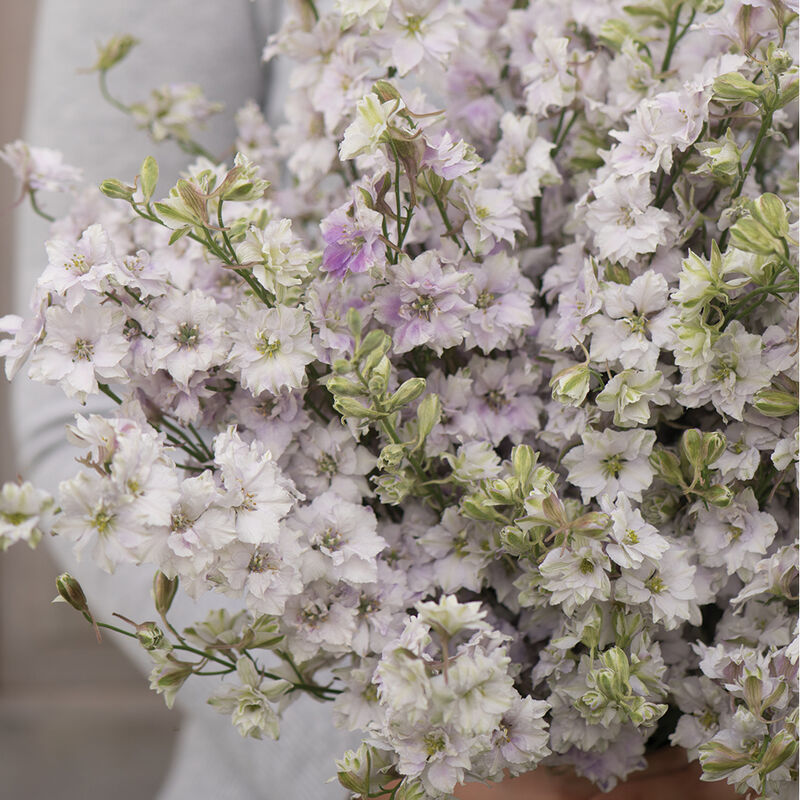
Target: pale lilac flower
[423,303]
[574,577]
[502,299]
[81,348]
[447,158]
[352,236]
[418,29]
[75,269]
[39,168]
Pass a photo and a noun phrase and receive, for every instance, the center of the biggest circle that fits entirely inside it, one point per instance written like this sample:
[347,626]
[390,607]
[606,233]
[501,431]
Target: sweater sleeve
[218,45]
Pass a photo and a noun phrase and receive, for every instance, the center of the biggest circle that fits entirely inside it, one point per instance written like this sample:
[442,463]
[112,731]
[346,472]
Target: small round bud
[70,591]
[164,590]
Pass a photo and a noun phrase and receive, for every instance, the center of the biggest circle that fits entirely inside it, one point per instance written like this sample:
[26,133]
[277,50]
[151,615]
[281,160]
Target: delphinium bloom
[352,235]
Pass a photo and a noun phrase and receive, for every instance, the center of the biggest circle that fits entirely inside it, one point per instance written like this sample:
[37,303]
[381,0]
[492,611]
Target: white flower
[256,489]
[575,576]
[493,217]
[341,539]
[611,462]
[624,223]
[25,514]
[190,336]
[669,589]
[548,80]
[277,257]
[271,347]
[633,539]
[370,126]
[734,537]
[629,394]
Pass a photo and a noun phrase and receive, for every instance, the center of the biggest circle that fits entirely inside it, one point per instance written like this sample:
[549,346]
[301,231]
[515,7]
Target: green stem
[108,96]
[766,121]
[673,39]
[560,142]
[35,206]
[105,389]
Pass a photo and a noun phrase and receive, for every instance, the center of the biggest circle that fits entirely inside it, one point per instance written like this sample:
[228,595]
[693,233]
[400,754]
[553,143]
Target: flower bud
[410,790]
[113,51]
[782,747]
[148,173]
[355,323]
[719,760]
[718,495]
[779,60]
[386,91]
[428,414]
[735,88]
[594,700]
[391,456]
[750,235]
[150,636]
[164,590]
[523,460]
[571,385]
[350,407]
[406,393]
[667,466]
[342,387]
[659,507]
[117,190]
[71,592]
[616,273]
[691,449]
[770,211]
[774,403]
[614,33]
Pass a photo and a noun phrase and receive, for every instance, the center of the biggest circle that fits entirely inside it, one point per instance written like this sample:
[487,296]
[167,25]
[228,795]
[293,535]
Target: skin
[667,777]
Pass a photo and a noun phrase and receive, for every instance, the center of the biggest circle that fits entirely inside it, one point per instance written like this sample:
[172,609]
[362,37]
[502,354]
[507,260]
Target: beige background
[77,722]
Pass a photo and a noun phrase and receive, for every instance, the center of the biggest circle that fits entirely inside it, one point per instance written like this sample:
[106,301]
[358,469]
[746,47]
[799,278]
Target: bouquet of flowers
[473,382]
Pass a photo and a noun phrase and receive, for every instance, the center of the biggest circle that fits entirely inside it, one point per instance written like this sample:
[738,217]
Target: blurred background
[77,720]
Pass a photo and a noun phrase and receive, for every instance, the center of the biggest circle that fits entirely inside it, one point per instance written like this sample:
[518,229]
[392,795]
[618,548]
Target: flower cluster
[487,415]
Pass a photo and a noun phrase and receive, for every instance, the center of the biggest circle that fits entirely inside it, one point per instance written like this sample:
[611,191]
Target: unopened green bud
[667,466]
[571,385]
[71,592]
[771,212]
[748,234]
[150,636]
[782,747]
[386,91]
[373,349]
[113,51]
[718,495]
[723,158]
[592,524]
[774,403]
[342,387]
[719,760]
[714,444]
[341,366]
[164,590]
[753,691]
[406,393]
[779,60]
[691,448]
[350,407]
[428,414]
[659,507]
[410,790]
[735,88]
[615,659]
[523,460]
[391,456]
[117,190]
[149,177]
[626,625]
[355,323]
